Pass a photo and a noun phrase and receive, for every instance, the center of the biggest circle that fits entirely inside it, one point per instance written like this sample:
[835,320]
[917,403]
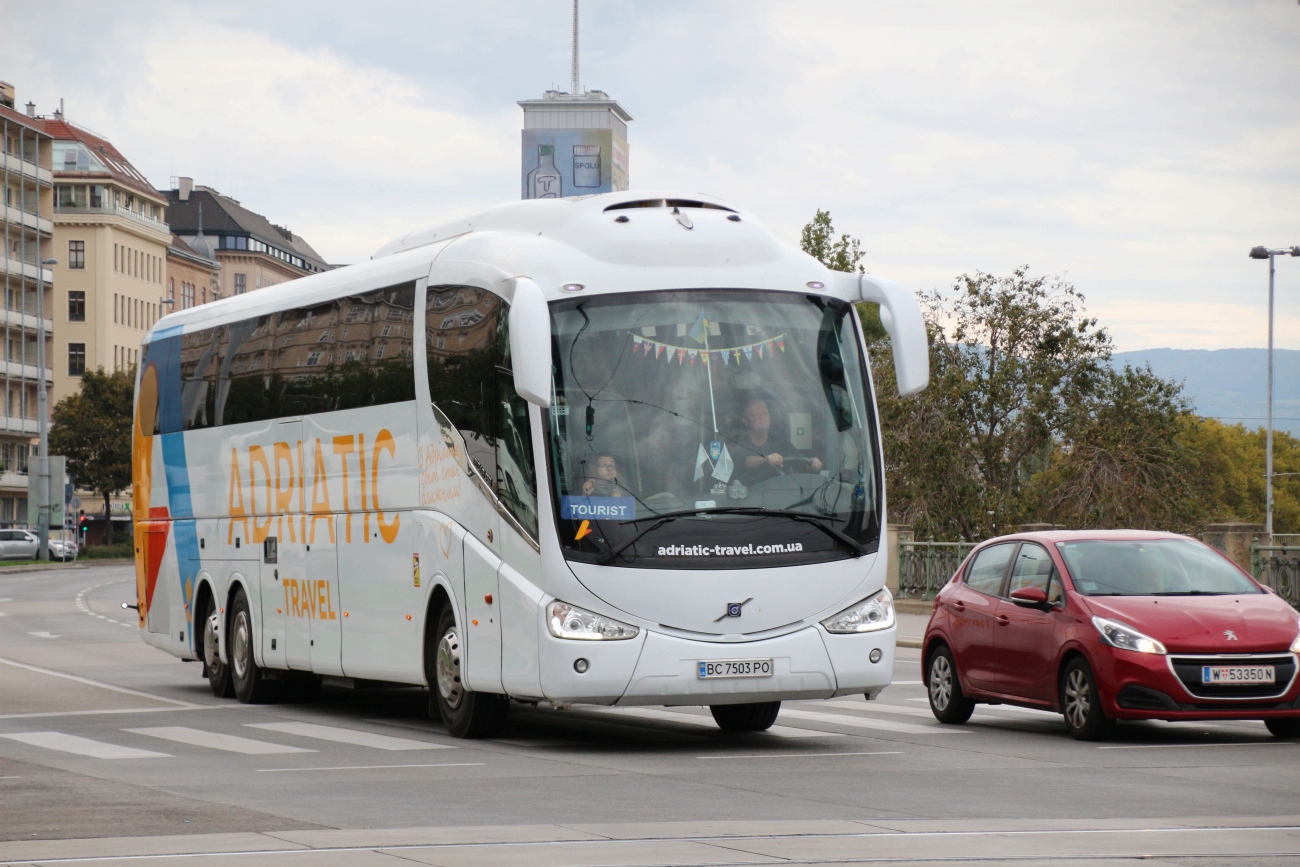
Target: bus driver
[770,450]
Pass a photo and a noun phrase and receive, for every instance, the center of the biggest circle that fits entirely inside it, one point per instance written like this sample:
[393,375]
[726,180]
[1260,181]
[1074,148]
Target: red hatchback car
[1103,626]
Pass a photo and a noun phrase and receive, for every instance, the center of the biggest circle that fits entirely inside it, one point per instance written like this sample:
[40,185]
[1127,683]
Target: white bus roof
[614,242]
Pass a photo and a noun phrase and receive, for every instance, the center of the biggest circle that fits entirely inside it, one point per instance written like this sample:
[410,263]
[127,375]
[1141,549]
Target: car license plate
[1243,674]
[735,668]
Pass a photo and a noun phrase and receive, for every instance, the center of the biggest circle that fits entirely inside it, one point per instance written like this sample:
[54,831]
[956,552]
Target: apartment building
[112,247]
[26,231]
[193,274]
[253,251]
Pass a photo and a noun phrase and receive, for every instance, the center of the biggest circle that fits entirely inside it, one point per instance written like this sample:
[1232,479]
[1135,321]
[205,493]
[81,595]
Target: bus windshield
[711,429]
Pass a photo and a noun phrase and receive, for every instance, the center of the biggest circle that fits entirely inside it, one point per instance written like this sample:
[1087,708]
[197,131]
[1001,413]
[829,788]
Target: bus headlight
[569,621]
[874,613]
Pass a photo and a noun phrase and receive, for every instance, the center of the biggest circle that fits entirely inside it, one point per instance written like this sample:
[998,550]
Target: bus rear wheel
[216,671]
[250,685]
[755,717]
[465,713]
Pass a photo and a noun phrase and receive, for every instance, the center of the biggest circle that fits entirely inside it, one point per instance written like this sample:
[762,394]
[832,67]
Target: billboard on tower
[572,162]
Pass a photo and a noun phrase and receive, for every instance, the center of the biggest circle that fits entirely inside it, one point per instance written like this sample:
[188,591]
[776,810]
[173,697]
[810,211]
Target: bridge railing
[1277,566]
[924,567]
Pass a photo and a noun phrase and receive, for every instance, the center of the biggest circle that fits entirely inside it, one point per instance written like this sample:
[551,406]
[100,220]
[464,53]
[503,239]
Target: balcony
[10,424]
[28,219]
[114,211]
[19,268]
[26,321]
[18,370]
[18,165]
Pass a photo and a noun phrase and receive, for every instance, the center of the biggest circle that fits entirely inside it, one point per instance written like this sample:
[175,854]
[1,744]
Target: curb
[914,643]
[53,566]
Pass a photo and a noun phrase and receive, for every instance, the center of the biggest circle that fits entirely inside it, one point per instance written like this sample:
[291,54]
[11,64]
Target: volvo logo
[1230,635]
[733,609]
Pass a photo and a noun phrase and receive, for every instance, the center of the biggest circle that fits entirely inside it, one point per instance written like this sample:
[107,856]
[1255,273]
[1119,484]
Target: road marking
[213,740]
[864,723]
[698,720]
[1197,746]
[128,710]
[877,707]
[802,755]
[122,689]
[44,635]
[370,767]
[82,746]
[348,736]
[907,683]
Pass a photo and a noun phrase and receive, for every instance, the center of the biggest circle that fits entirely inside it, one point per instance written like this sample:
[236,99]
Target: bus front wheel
[755,717]
[465,713]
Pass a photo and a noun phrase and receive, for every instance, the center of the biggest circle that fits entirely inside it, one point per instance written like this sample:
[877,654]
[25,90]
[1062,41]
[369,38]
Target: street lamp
[1266,253]
[43,432]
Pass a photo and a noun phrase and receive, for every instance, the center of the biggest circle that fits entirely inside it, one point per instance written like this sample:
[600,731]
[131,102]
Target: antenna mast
[575,47]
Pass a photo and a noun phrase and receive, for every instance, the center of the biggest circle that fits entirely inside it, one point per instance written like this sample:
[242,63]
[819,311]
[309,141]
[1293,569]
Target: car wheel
[216,671]
[1284,727]
[250,685]
[753,717]
[465,713]
[947,701]
[1081,704]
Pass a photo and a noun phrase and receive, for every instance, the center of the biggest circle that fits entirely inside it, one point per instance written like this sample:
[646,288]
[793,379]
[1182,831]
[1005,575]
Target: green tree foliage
[843,254]
[1227,464]
[93,429]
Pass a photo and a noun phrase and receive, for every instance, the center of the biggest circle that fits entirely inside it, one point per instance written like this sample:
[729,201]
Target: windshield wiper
[1195,593]
[856,547]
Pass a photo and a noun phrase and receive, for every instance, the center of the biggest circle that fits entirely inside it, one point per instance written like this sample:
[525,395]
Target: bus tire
[216,671]
[755,717]
[251,687]
[465,713]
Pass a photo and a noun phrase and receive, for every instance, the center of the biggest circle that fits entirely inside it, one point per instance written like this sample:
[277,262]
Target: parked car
[18,545]
[63,549]
[1103,626]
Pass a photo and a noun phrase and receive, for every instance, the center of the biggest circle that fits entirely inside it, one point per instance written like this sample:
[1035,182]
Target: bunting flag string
[760,350]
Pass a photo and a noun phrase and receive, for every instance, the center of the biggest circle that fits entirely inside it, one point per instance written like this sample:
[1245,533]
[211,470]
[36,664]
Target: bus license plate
[735,668]
[1238,674]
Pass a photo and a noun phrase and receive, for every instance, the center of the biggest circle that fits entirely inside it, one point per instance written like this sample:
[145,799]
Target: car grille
[1188,670]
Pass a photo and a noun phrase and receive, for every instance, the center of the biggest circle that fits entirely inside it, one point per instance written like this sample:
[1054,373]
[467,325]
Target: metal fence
[1278,566]
[924,567]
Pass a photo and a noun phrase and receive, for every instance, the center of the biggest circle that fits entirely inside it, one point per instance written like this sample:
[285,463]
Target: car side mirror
[1030,597]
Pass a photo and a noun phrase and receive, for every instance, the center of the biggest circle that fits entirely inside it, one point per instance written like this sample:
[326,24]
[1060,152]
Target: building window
[77,255]
[77,306]
[241,284]
[187,295]
[171,288]
[76,359]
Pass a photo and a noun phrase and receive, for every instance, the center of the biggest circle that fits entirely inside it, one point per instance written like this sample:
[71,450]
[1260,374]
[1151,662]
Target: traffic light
[83,523]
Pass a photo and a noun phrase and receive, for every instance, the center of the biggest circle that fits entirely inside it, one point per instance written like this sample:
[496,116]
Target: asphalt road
[114,753]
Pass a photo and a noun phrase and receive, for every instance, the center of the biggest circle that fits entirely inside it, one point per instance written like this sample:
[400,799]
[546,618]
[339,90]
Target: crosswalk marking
[866,723]
[348,736]
[699,720]
[82,746]
[213,740]
[877,707]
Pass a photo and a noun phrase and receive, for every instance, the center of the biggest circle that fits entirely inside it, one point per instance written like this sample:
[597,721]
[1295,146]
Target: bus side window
[461,342]
[245,378]
[199,378]
[516,480]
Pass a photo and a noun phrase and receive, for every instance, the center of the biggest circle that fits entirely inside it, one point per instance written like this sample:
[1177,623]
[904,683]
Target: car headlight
[569,621]
[874,613]
[1295,645]
[1125,637]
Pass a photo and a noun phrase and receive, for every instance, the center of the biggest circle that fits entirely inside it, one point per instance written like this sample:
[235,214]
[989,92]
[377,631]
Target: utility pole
[42,428]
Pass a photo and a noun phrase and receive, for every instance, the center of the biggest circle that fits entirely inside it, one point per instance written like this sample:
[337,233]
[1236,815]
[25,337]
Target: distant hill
[1230,384]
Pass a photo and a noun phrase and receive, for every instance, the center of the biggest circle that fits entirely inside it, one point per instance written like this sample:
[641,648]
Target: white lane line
[697,720]
[1197,746]
[803,755]
[348,736]
[877,707]
[907,683]
[127,710]
[840,719]
[122,689]
[370,767]
[215,741]
[82,746]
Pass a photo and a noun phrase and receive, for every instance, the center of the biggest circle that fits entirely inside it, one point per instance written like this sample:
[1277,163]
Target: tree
[1227,463]
[93,428]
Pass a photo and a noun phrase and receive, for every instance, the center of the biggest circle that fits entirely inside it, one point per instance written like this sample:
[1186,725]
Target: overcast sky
[1137,149]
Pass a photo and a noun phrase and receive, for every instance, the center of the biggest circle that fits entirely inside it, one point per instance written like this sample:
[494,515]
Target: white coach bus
[613,450]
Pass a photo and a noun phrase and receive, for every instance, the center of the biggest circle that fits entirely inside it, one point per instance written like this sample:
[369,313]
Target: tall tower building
[574,144]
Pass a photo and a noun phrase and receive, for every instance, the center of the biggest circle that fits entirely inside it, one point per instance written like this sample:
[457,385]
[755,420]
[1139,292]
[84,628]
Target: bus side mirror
[530,343]
[901,316]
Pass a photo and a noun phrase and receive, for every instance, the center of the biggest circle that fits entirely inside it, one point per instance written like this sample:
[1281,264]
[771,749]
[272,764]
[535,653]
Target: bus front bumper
[807,664]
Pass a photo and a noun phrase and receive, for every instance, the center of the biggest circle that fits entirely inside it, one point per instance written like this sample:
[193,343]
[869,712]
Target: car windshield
[1159,567]
[682,421]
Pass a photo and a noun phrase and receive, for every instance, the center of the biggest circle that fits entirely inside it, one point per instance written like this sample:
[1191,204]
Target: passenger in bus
[767,452]
[602,479]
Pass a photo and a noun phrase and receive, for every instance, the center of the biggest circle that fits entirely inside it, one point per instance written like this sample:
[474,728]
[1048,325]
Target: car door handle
[1003,620]
[958,605]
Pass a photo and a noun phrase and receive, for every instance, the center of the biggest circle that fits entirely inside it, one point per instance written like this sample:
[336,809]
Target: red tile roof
[119,167]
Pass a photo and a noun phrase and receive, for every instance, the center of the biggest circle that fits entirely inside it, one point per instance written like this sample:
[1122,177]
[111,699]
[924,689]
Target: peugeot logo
[1230,635]
[733,609]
